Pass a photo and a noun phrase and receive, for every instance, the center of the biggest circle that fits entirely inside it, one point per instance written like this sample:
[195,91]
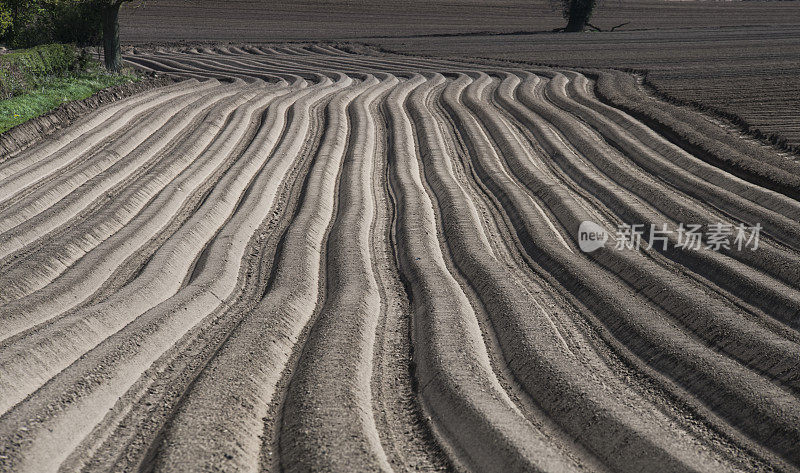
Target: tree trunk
[578,14]
[575,24]
[111,50]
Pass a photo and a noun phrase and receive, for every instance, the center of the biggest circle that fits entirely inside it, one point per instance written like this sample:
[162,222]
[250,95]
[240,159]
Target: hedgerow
[20,70]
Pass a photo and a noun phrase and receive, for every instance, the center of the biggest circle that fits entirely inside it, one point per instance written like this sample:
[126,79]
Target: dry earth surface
[738,58]
[750,74]
[304,258]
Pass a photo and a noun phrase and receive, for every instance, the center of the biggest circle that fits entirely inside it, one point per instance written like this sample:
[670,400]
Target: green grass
[50,92]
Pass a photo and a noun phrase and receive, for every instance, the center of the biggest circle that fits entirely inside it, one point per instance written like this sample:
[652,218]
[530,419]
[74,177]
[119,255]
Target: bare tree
[577,14]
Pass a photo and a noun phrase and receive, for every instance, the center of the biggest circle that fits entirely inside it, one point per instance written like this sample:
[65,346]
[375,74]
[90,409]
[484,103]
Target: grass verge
[52,91]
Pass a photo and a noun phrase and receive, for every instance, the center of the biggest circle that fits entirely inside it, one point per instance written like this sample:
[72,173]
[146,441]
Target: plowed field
[305,259]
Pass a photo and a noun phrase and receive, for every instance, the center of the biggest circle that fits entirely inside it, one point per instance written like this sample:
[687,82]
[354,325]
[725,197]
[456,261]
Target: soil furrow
[327,421]
[93,270]
[166,323]
[503,295]
[52,206]
[90,131]
[65,338]
[125,137]
[446,335]
[644,329]
[23,274]
[288,303]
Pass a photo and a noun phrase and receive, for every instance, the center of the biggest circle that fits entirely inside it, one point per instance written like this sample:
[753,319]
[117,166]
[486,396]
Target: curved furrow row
[313,259]
[256,64]
[327,418]
[617,123]
[89,132]
[749,159]
[482,427]
[725,386]
[180,71]
[241,65]
[233,394]
[552,375]
[771,258]
[51,203]
[712,319]
[359,64]
[89,273]
[197,66]
[202,62]
[29,169]
[64,339]
[419,62]
[409,62]
[162,326]
[29,271]
[402,423]
[309,61]
[128,435]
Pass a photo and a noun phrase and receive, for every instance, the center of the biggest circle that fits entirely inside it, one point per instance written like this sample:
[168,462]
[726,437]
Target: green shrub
[76,22]
[5,20]
[53,21]
[30,23]
[20,70]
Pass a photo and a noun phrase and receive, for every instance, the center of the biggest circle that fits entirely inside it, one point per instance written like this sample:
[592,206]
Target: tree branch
[623,24]
[600,29]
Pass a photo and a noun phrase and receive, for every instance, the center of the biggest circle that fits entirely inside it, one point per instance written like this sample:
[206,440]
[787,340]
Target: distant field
[752,72]
[249,20]
[739,58]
